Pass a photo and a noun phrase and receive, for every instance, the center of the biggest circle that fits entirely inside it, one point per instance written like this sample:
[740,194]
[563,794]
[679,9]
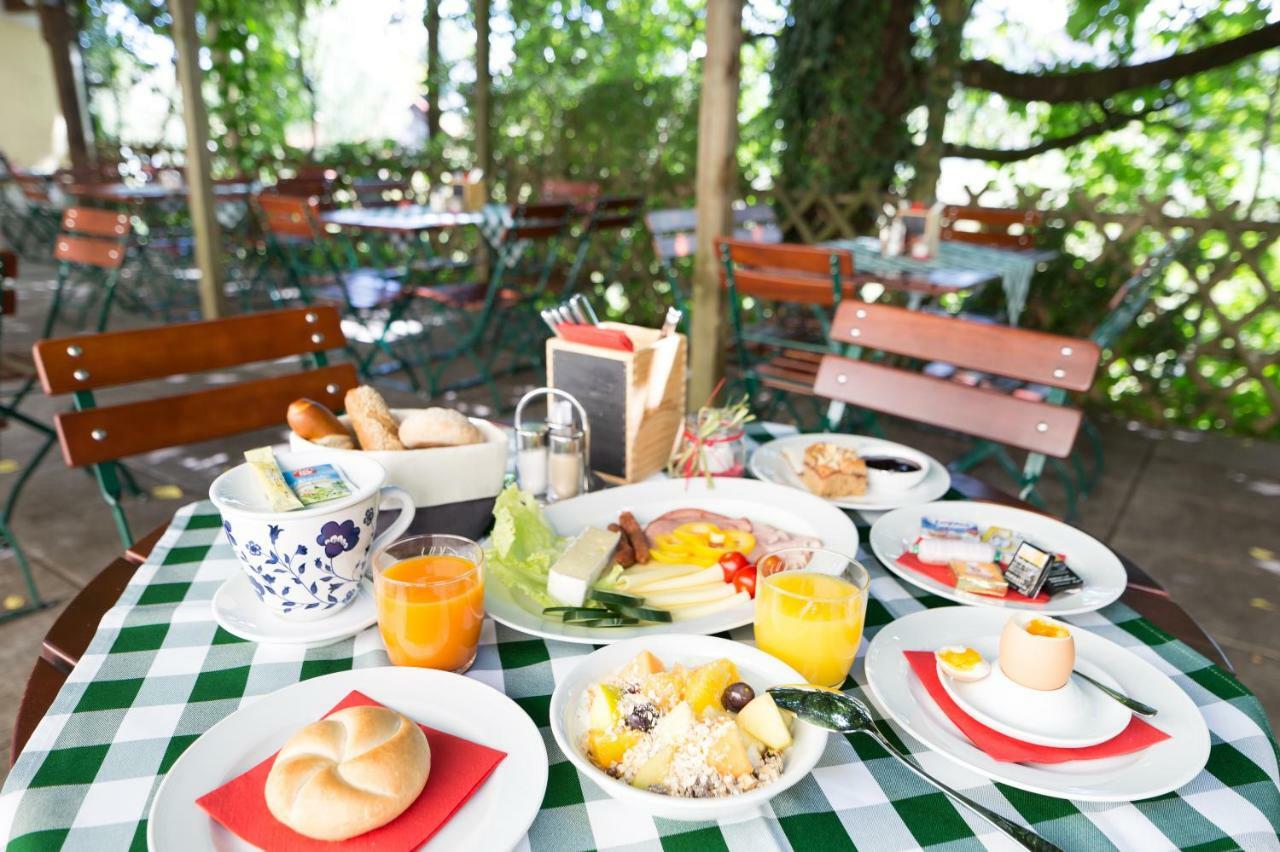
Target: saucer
[237,610]
[1077,715]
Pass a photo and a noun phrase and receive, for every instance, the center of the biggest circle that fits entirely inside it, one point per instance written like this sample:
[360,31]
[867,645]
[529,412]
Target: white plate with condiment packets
[781,459]
[1102,571]
[801,514]
[1153,771]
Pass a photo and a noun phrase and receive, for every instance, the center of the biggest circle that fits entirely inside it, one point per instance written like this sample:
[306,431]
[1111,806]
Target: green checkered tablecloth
[159,672]
[1014,267]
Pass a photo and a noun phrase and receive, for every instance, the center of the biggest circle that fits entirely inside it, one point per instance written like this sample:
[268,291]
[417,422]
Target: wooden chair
[991,226]
[582,194]
[40,213]
[614,216]
[91,251]
[674,237]
[311,181]
[1042,427]
[97,436]
[794,290]
[373,193]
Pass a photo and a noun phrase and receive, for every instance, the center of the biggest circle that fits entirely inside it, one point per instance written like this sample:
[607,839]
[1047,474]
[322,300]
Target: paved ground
[1197,511]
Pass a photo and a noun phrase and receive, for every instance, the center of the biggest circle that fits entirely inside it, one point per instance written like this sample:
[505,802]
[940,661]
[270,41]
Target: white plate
[1075,716]
[801,514]
[238,611]
[769,463]
[1102,572]
[1154,771]
[496,817]
[756,667]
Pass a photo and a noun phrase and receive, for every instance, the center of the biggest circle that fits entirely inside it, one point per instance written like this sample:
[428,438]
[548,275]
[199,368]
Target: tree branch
[1104,82]
[1112,121]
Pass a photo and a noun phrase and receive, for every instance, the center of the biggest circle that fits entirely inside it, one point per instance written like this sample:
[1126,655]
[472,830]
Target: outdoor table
[409,219]
[152,192]
[957,266]
[158,672]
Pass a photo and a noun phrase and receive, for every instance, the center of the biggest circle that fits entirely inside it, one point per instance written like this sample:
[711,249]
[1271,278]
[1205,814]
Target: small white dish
[1154,771]
[801,514]
[887,482]
[496,817]
[238,611]
[756,667]
[779,460]
[1075,716]
[437,475]
[1102,571]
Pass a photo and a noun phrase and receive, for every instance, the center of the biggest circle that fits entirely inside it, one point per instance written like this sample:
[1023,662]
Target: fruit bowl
[569,721]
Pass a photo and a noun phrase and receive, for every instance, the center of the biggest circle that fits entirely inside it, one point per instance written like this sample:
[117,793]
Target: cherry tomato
[730,563]
[745,580]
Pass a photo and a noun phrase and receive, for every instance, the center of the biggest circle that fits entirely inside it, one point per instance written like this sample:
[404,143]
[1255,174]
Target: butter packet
[263,463]
[980,578]
[317,484]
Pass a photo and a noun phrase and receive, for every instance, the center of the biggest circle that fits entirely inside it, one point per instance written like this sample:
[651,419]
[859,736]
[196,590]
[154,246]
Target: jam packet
[317,484]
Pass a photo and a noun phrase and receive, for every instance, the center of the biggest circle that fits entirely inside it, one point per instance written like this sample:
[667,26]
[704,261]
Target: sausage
[625,555]
[631,529]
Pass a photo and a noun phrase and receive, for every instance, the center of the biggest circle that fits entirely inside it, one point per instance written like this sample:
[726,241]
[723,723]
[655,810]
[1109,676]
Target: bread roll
[347,774]
[438,427]
[375,426]
[316,423]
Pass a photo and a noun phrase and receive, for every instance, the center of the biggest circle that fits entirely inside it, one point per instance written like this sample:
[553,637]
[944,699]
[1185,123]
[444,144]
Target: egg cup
[1037,660]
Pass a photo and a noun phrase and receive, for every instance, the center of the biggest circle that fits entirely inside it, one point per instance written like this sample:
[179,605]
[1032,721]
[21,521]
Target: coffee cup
[308,564]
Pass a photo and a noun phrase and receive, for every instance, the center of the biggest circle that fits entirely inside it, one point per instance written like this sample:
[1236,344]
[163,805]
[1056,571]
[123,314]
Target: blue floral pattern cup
[307,564]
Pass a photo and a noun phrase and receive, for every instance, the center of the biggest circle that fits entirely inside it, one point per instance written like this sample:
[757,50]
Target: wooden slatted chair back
[538,220]
[289,216]
[784,272]
[319,186]
[96,222]
[1053,360]
[674,231]
[990,226]
[35,188]
[579,193]
[89,251]
[375,193]
[87,363]
[615,212]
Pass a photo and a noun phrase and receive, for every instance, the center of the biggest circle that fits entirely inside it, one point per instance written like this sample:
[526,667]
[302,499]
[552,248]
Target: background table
[158,672]
[957,266]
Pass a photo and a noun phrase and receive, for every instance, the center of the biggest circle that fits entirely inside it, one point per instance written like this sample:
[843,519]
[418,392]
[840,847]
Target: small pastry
[314,422]
[375,426]
[833,471]
[438,427]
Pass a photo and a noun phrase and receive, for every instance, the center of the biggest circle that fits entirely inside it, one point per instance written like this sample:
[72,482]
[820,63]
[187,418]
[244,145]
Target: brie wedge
[580,566]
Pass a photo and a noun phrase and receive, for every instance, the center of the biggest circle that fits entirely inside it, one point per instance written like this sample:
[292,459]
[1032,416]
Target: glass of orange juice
[810,607]
[430,595]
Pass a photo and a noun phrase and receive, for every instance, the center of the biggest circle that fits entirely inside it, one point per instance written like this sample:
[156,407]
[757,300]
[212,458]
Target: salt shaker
[565,463]
[531,458]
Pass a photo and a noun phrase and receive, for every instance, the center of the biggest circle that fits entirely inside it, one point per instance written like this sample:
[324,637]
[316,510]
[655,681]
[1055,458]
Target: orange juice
[429,611]
[812,622]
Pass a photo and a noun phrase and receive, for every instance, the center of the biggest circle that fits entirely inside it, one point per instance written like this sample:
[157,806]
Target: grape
[736,696]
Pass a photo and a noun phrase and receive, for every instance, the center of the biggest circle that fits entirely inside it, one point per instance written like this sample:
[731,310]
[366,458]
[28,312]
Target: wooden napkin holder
[634,410]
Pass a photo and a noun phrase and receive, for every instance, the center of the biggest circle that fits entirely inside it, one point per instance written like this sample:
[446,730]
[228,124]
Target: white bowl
[757,668]
[438,475]
[891,482]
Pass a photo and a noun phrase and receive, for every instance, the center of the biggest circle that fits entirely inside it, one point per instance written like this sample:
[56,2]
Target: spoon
[836,711]
[1136,706]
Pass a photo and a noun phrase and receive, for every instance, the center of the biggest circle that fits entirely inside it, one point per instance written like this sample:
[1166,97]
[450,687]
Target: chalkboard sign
[600,384]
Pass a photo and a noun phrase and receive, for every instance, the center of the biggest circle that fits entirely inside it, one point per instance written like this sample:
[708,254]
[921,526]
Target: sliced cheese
[580,566]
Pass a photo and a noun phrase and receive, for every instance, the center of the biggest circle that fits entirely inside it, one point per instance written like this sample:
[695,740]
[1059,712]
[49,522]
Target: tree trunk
[941,85]
[431,20]
[186,42]
[60,34]
[482,106]
[717,183]
[843,82]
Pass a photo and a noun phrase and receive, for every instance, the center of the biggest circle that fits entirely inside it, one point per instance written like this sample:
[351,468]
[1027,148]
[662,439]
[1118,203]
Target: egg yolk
[960,660]
[1039,627]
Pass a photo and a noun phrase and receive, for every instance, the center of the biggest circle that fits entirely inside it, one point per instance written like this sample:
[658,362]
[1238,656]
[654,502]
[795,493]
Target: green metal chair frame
[618,215]
[97,437]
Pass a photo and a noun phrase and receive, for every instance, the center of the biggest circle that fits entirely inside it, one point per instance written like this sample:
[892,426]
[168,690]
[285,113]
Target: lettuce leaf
[523,547]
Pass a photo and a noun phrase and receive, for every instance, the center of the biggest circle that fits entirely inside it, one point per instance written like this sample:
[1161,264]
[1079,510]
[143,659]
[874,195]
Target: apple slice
[602,707]
[762,720]
[654,771]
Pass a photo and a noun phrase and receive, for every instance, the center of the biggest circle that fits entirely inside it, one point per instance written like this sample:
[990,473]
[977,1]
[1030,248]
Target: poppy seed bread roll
[352,772]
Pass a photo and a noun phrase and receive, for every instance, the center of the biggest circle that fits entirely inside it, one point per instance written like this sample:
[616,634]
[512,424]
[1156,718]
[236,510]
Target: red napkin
[458,768]
[943,574]
[1137,736]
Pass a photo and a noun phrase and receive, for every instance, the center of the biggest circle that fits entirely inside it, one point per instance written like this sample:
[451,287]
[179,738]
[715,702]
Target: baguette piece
[376,428]
[349,773]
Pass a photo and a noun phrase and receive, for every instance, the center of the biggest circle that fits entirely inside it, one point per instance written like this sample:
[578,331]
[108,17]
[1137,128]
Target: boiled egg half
[961,663]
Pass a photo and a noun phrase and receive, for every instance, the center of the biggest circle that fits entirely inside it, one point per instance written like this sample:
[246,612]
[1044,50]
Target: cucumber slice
[614,621]
[644,613]
[568,613]
[586,615]
[601,596]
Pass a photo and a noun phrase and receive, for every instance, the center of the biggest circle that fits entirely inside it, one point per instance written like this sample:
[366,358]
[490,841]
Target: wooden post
[482,105]
[200,200]
[60,34]
[717,183]
[431,19]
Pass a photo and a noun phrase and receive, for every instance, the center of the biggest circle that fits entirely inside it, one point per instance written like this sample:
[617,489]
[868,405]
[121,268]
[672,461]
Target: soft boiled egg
[1037,652]
[963,664]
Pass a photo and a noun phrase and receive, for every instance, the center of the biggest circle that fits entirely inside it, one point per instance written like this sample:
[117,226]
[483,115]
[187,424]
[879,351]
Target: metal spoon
[1136,706]
[845,714]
